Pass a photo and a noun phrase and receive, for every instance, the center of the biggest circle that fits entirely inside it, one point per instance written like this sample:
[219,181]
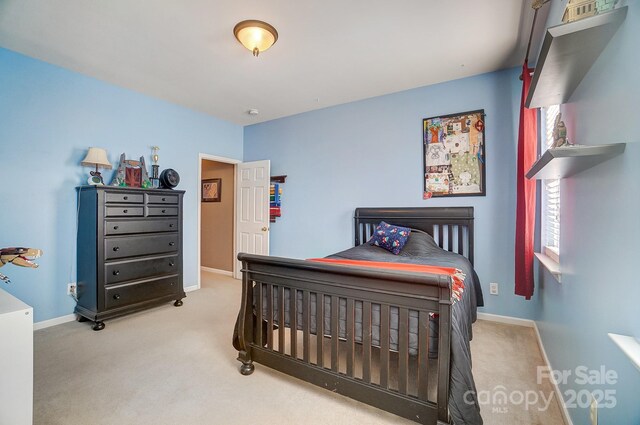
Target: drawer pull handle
[171,264]
[125,198]
[164,211]
[116,248]
[171,225]
[164,199]
[116,227]
[116,297]
[116,272]
[125,211]
[172,243]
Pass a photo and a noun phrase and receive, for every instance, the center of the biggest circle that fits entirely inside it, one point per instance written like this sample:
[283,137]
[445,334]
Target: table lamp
[96,157]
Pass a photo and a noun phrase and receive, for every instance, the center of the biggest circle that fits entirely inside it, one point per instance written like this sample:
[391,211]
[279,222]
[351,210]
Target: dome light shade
[256,36]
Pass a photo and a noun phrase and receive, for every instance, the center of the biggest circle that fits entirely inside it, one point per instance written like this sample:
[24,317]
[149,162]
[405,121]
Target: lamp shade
[256,36]
[96,157]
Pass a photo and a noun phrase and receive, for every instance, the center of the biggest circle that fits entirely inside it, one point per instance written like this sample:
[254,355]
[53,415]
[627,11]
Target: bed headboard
[451,227]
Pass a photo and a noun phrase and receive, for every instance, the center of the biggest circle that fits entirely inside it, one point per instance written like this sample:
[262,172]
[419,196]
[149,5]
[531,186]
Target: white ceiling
[328,52]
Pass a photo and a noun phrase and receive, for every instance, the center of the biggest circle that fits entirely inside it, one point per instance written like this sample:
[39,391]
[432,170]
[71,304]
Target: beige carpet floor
[173,365]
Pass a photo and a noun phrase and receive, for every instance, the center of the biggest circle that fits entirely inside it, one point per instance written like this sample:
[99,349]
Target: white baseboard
[191,288]
[507,320]
[532,324]
[55,321]
[556,388]
[223,272]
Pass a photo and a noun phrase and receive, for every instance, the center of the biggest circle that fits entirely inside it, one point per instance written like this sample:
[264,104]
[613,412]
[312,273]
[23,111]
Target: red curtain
[526,192]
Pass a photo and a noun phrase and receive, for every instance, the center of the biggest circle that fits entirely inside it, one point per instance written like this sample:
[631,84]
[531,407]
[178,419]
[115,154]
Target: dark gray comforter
[420,249]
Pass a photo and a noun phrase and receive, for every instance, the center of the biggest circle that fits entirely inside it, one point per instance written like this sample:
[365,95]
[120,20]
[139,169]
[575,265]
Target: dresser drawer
[140,245]
[124,198]
[161,199]
[162,211]
[131,293]
[140,269]
[123,227]
[125,211]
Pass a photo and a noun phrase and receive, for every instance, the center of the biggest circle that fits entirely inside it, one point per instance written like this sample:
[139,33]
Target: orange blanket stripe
[457,277]
[450,271]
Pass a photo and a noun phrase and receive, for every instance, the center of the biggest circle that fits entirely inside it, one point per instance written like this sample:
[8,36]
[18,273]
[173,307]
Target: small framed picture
[211,190]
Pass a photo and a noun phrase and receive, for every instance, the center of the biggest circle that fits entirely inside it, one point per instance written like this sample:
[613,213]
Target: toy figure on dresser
[22,257]
[131,173]
[560,133]
[155,174]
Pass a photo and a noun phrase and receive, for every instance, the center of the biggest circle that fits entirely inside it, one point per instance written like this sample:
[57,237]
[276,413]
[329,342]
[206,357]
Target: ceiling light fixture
[256,36]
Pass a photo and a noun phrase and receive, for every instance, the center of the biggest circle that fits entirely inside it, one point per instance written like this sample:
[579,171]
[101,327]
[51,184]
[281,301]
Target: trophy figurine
[155,167]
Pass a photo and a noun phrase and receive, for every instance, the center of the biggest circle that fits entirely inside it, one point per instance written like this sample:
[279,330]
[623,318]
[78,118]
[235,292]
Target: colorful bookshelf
[276,197]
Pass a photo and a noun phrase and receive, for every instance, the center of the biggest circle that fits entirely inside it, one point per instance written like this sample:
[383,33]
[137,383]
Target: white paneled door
[253,209]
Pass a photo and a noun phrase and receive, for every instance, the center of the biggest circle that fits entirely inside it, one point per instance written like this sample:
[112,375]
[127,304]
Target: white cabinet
[16,361]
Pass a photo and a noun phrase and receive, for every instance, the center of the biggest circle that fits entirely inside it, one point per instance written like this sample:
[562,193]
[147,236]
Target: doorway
[216,215]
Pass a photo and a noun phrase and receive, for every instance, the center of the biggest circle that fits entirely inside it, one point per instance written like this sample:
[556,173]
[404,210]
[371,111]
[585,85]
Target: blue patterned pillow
[390,237]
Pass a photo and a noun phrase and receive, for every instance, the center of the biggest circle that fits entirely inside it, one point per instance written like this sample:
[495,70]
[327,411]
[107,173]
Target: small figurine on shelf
[560,133]
[155,174]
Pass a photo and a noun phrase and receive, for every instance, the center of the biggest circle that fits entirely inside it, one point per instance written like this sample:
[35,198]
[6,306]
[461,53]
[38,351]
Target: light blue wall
[600,236]
[48,118]
[369,153]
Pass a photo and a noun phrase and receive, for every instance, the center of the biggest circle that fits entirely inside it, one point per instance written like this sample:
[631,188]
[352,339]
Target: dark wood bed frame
[423,293]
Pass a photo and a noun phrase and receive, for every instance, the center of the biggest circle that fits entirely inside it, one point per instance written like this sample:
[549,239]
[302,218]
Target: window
[550,238]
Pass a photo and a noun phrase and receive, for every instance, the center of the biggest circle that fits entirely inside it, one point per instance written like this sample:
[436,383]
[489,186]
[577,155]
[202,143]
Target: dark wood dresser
[129,250]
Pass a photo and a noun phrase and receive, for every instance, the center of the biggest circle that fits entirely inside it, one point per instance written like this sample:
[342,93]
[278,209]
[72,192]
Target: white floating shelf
[558,163]
[568,51]
[630,346]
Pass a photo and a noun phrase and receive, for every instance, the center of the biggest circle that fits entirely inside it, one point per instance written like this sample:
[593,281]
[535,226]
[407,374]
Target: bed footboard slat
[306,328]
[403,350]
[460,241]
[423,355]
[320,329]
[366,341]
[335,337]
[259,317]
[281,322]
[350,335]
[293,322]
[384,346]
[270,317]
[450,238]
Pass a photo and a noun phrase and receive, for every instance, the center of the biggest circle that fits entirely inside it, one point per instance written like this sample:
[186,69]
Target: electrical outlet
[71,289]
[493,288]
[594,410]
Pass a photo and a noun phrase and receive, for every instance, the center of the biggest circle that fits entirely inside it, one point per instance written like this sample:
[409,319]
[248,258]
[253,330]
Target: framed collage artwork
[454,155]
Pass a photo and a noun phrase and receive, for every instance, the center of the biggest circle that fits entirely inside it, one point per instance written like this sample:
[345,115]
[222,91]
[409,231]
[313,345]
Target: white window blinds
[550,192]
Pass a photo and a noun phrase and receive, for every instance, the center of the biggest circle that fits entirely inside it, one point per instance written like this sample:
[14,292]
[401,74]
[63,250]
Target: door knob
[264,229]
